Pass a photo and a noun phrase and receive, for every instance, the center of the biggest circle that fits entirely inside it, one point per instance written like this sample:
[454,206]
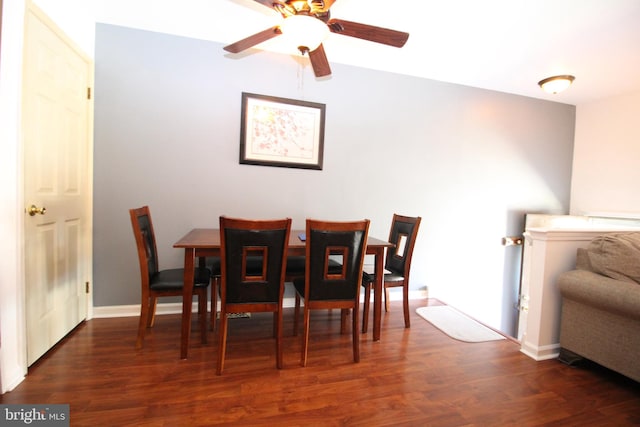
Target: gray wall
[471,162]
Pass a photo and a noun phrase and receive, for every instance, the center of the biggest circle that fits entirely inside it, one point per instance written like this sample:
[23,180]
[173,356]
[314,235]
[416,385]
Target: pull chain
[301,76]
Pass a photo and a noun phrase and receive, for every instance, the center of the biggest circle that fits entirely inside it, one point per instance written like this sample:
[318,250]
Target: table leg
[377,293]
[187,298]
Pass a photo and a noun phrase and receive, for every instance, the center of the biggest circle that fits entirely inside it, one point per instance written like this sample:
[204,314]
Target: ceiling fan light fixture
[556,84]
[305,32]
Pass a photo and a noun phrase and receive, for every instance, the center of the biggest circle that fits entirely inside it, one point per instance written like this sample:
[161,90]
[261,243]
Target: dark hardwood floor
[412,377]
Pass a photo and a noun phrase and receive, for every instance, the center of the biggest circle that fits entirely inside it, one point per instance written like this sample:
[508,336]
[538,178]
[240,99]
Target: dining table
[205,242]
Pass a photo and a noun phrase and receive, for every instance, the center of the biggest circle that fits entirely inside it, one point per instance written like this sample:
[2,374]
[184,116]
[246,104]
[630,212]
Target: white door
[56,131]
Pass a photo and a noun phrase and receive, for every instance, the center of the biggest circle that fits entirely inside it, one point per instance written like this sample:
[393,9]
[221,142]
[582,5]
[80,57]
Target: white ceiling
[503,45]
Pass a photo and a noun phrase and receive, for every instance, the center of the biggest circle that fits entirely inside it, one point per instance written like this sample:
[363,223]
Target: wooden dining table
[205,242]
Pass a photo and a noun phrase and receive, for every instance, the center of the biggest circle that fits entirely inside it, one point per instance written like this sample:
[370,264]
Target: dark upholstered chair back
[346,244]
[148,242]
[404,231]
[252,256]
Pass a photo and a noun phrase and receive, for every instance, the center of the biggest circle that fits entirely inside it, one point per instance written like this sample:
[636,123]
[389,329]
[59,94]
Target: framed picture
[281,132]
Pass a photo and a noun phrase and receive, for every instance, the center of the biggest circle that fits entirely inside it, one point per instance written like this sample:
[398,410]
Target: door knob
[36,210]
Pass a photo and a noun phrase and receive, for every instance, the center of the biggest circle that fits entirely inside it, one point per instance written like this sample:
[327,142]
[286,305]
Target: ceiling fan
[311,22]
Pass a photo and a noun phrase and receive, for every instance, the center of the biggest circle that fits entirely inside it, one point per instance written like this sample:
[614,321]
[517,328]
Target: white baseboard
[176,307]
[539,353]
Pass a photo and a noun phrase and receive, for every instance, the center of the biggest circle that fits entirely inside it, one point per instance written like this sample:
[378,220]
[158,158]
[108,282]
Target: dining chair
[404,230]
[156,283]
[325,288]
[253,262]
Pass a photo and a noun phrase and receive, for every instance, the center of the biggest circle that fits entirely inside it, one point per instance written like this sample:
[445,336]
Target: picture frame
[281,132]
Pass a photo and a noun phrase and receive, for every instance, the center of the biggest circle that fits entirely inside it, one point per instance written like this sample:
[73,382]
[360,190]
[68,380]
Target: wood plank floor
[412,377]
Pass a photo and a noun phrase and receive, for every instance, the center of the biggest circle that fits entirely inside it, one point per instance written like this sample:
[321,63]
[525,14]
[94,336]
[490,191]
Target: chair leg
[222,342]
[202,314]
[296,315]
[356,335]
[365,308]
[151,312]
[142,323]
[305,337]
[344,313]
[405,304]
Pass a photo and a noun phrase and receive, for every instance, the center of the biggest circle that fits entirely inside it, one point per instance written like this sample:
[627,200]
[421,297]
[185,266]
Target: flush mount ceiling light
[556,84]
[306,32]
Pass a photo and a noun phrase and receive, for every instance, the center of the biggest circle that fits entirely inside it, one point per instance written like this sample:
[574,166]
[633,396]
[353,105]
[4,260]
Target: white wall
[606,166]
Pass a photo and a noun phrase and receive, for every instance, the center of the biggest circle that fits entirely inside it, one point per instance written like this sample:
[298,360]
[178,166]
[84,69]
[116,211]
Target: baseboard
[176,307]
[539,353]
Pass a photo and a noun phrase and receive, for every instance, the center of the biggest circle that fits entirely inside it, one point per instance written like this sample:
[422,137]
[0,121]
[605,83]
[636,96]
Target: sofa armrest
[595,290]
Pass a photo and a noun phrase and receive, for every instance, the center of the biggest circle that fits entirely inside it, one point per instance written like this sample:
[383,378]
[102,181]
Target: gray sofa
[601,304]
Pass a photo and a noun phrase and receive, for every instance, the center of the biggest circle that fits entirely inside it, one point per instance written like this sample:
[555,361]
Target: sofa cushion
[582,260]
[616,255]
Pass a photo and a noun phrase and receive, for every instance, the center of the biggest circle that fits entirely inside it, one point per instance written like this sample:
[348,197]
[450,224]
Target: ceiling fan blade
[253,40]
[368,32]
[319,62]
